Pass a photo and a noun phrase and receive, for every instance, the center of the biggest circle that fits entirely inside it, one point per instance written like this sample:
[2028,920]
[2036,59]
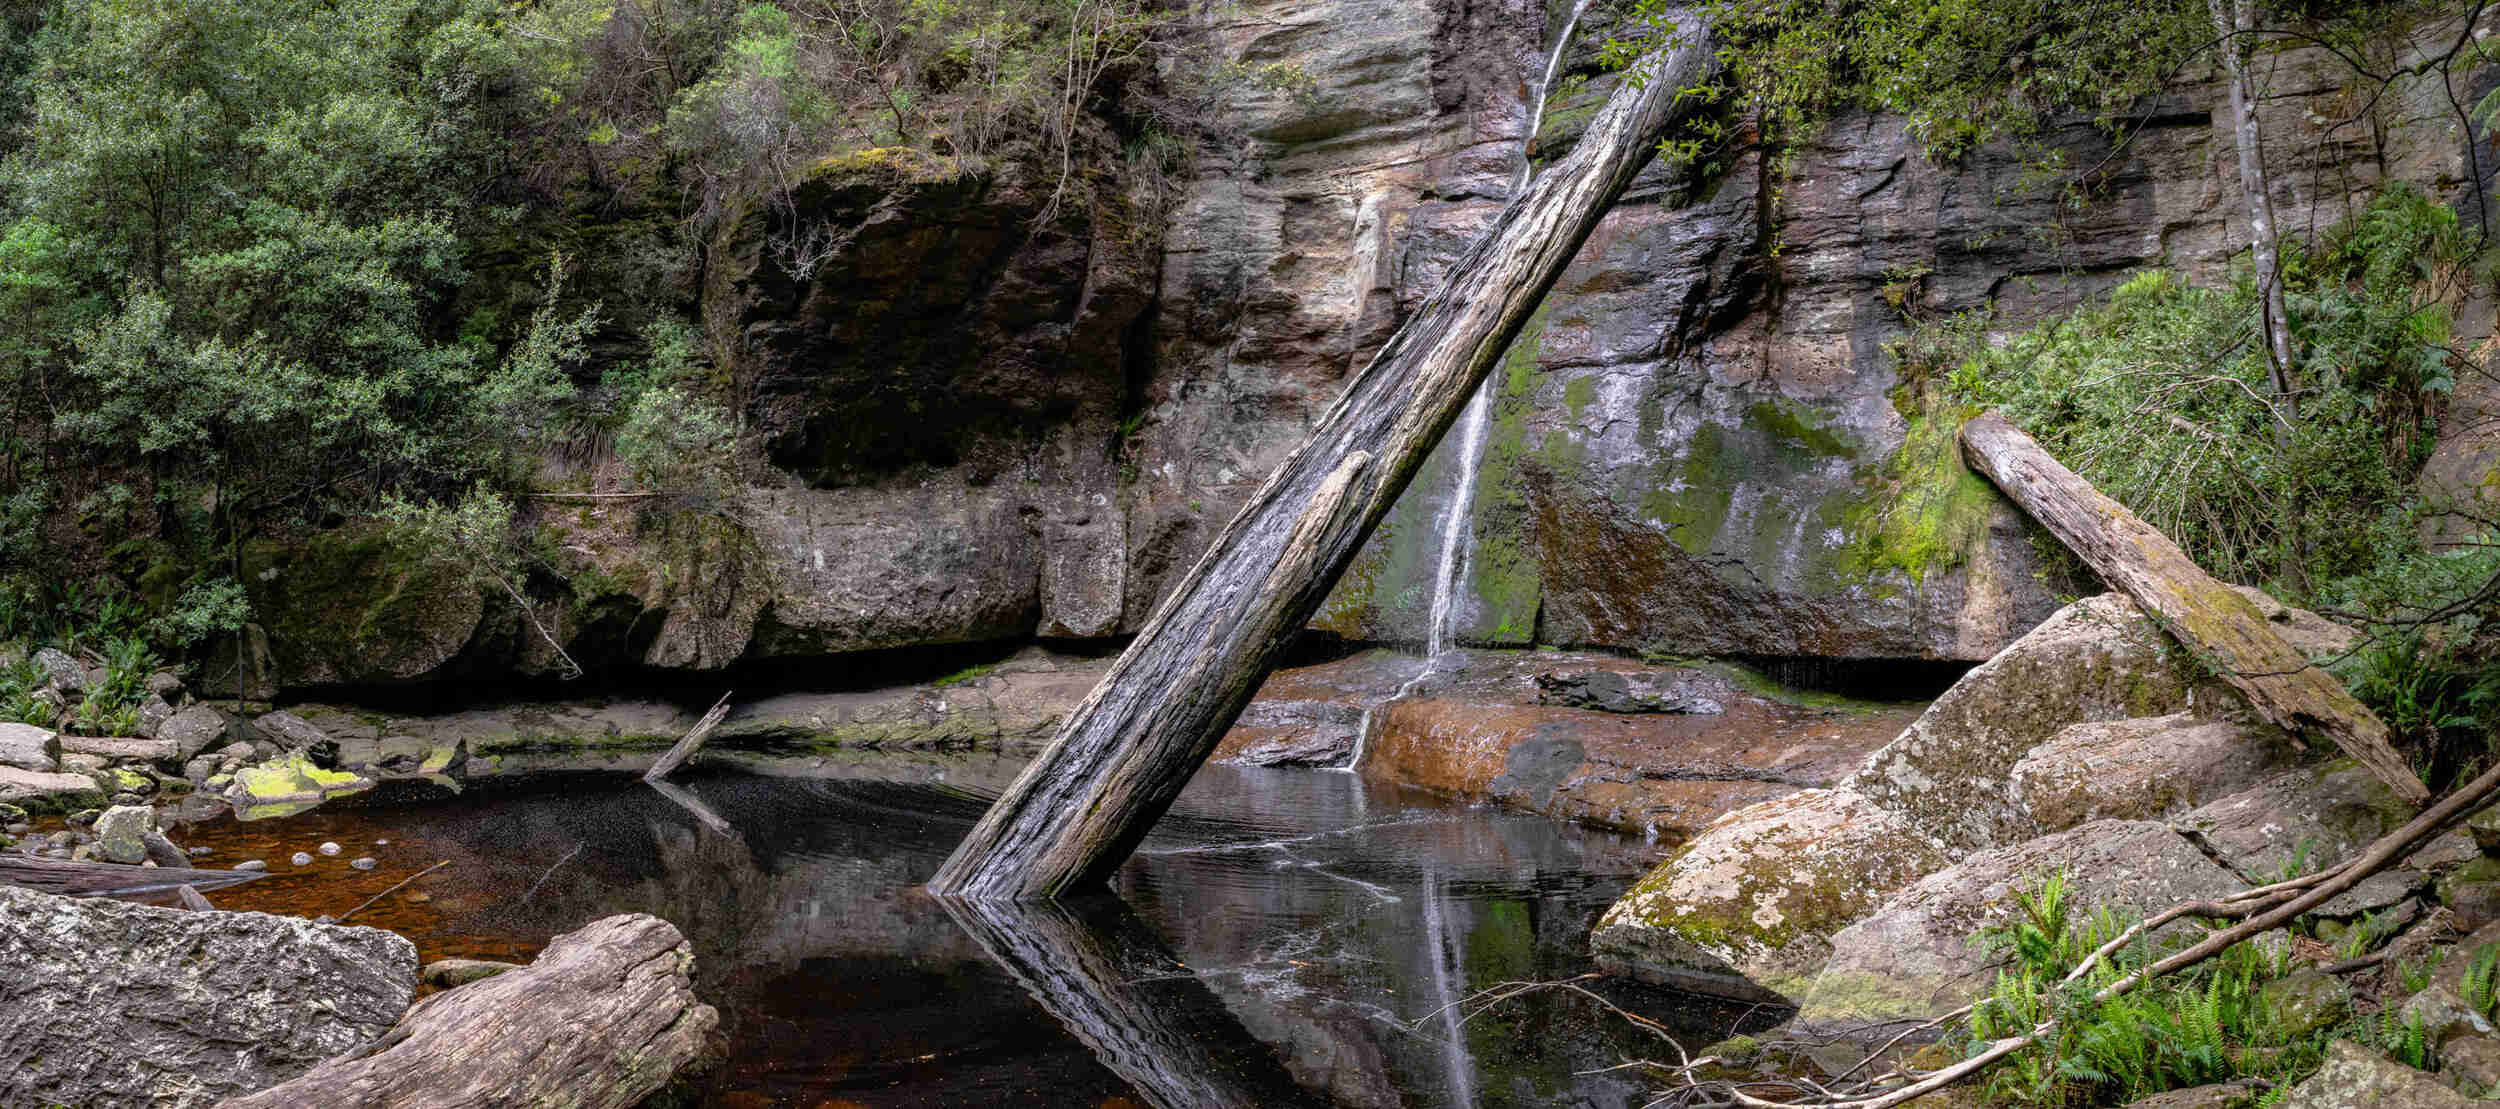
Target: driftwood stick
[685,748]
[2210,618]
[694,806]
[395,886]
[1075,814]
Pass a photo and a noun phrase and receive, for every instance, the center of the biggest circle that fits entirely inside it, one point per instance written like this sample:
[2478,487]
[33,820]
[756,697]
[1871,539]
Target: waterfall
[1473,424]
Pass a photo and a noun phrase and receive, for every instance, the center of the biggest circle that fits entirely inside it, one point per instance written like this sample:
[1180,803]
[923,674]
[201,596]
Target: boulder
[2099,659]
[1294,733]
[2355,1077]
[60,671]
[113,1004]
[2220,1095]
[1913,957]
[2304,1001]
[194,730]
[121,834]
[2471,1065]
[28,747]
[2143,768]
[2444,1015]
[1614,691]
[39,792]
[294,733]
[2317,816]
[1748,908]
[153,713]
[165,684]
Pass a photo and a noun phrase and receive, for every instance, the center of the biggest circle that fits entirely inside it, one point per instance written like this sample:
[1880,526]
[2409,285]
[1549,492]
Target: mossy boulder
[1913,958]
[2144,768]
[1748,907]
[358,605]
[2097,660]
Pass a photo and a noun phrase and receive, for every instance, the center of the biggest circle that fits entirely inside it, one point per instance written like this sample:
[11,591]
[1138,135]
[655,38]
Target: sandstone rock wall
[972,430]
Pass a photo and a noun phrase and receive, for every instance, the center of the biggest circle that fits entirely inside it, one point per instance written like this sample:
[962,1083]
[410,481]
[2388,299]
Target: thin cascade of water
[1473,425]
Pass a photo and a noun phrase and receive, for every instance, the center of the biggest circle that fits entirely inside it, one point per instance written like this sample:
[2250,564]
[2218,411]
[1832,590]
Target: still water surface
[1284,936]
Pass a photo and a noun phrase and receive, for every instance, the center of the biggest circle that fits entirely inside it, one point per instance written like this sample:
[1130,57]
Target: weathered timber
[2223,627]
[86,879]
[605,1018]
[1078,810]
[685,748]
[1110,981]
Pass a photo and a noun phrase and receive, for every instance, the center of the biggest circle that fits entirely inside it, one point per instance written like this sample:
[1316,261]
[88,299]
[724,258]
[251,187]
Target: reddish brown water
[1283,937]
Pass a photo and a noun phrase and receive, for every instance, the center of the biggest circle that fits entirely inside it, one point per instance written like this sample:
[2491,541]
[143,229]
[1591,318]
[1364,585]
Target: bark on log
[88,879]
[603,1020]
[1110,981]
[1077,811]
[2219,624]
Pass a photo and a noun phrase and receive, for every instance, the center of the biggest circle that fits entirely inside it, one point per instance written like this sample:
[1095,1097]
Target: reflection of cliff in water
[1297,898]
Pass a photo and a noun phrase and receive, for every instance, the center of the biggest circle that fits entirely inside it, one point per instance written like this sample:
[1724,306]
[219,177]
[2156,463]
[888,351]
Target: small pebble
[301,859]
[420,897]
[366,863]
[253,864]
[381,843]
[325,918]
[199,851]
[328,849]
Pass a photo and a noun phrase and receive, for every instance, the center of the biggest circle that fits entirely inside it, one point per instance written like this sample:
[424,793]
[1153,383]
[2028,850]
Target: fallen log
[1078,810]
[86,879]
[2222,627]
[605,1018]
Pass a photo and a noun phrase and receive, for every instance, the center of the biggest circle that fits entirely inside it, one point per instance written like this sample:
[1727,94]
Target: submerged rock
[119,1005]
[289,785]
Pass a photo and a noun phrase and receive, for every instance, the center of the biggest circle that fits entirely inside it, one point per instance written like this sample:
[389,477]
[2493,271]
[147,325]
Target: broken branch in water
[395,886]
[685,748]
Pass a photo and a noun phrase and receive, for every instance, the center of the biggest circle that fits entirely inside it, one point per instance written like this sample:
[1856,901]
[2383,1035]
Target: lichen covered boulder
[39,792]
[112,1004]
[1747,909]
[2355,1077]
[2098,659]
[1913,957]
[2145,768]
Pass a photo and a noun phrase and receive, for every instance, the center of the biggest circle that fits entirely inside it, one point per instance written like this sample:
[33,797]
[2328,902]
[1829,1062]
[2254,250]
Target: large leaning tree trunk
[2224,629]
[1073,815]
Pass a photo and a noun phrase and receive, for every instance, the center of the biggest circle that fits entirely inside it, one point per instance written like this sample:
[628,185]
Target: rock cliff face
[972,430]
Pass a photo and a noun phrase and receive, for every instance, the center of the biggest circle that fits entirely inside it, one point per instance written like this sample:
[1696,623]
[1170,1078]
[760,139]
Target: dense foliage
[271,264]
[2214,1022]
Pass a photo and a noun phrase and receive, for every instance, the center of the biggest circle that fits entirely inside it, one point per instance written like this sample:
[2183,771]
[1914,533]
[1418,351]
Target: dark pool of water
[1284,937]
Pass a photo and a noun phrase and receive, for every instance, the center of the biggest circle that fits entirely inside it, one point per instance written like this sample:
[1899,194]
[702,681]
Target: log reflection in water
[1111,981]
